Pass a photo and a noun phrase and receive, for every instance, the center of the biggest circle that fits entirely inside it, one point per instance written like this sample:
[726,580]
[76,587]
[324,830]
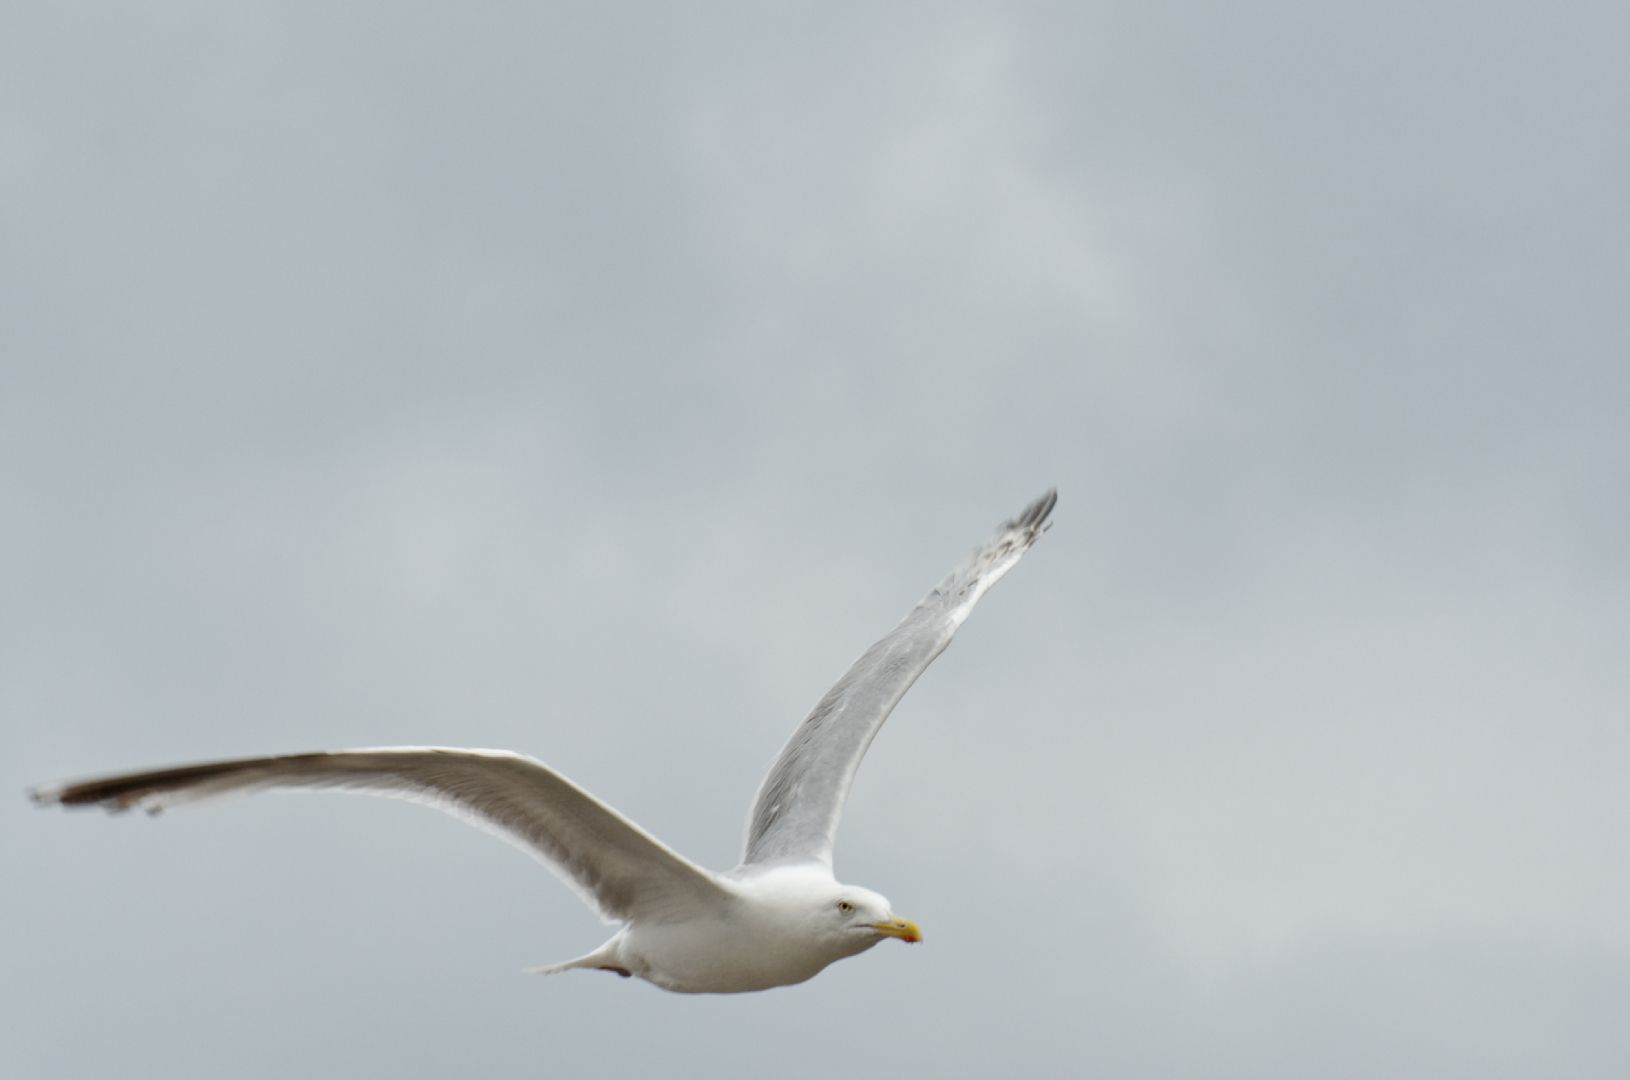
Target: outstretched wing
[617,867]
[797,810]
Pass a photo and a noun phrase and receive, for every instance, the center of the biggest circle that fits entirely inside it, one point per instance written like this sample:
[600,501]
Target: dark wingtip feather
[119,793]
[1035,515]
[89,793]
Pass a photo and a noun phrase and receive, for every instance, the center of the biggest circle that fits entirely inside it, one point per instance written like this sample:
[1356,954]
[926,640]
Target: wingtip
[1036,514]
[76,797]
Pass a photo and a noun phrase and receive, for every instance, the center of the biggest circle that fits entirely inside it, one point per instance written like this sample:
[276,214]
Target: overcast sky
[598,380]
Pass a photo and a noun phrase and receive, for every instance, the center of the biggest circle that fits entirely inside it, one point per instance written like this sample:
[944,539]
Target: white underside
[772,936]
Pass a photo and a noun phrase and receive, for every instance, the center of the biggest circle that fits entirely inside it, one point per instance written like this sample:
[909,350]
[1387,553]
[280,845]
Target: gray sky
[596,381]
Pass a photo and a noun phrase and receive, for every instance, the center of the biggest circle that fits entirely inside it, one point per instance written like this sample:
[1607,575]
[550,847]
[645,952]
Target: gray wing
[617,867]
[797,810]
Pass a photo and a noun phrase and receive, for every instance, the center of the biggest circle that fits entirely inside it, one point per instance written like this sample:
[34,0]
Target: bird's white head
[837,920]
[862,918]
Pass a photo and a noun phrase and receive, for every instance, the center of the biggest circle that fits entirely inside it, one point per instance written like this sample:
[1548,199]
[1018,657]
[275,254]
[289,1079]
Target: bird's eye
[845,906]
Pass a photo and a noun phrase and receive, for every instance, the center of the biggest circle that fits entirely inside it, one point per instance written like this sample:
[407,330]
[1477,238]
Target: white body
[773,937]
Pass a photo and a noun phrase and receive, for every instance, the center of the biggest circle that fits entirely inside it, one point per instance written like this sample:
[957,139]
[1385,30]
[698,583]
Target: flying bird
[778,918]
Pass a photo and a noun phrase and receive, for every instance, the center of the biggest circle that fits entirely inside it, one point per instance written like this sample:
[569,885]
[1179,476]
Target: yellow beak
[904,929]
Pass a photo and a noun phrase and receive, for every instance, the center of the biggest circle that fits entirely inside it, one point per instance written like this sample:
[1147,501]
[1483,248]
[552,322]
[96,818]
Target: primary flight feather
[777,918]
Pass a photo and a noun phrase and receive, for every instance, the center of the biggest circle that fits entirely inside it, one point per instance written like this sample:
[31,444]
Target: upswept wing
[797,810]
[618,868]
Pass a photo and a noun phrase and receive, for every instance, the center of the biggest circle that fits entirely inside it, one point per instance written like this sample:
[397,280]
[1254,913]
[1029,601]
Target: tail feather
[602,959]
[556,969]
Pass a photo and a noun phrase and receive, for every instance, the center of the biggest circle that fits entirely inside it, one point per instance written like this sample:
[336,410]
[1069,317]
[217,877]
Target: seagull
[778,918]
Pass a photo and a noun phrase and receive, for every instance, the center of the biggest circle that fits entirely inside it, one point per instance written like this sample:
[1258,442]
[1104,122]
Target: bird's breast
[722,956]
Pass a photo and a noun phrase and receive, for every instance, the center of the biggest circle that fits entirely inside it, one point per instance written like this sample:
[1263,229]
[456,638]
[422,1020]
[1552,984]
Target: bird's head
[864,918]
